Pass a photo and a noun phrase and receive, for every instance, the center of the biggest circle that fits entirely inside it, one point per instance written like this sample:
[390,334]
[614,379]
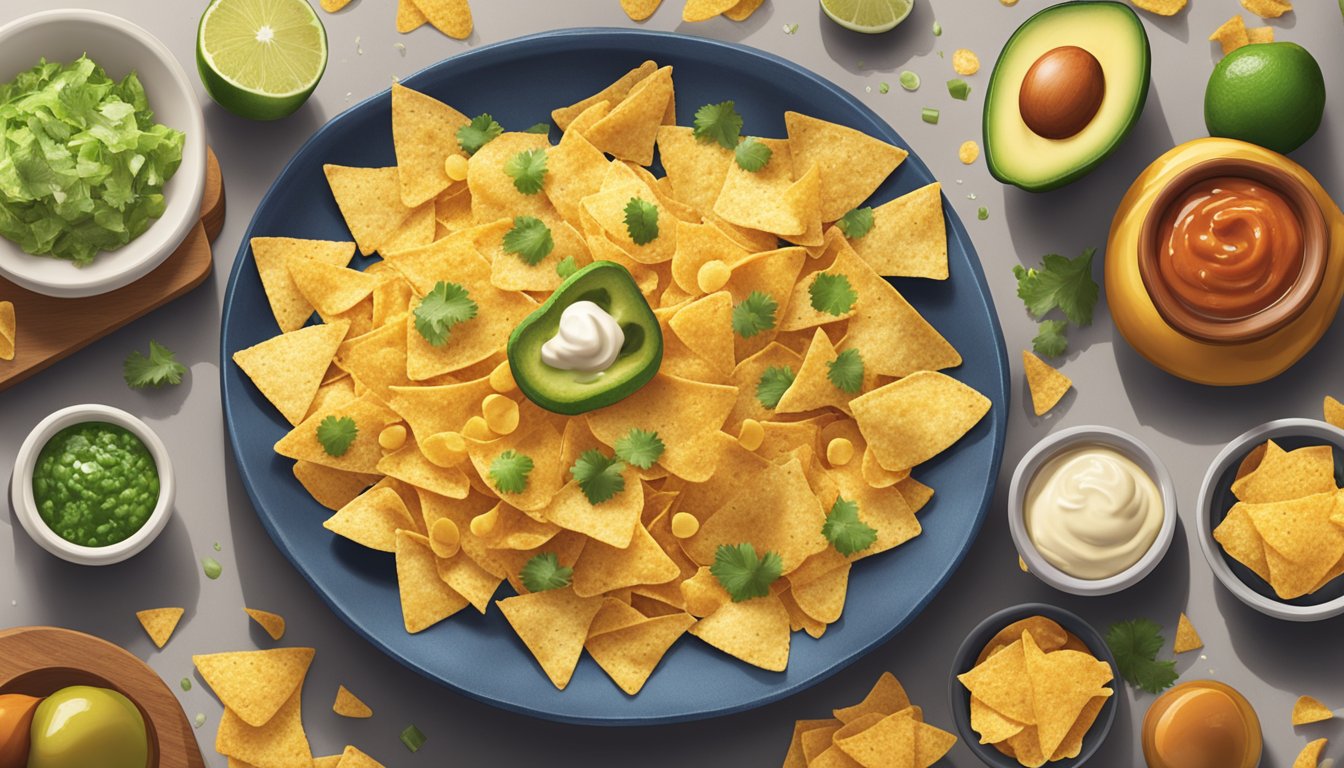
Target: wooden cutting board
[51,328]
[38,661]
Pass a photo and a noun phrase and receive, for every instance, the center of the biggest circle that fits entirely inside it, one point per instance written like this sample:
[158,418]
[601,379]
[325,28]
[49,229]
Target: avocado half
[1112,33]
[610,286]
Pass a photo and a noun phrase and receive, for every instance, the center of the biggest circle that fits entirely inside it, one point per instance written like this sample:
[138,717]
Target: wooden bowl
[38,661]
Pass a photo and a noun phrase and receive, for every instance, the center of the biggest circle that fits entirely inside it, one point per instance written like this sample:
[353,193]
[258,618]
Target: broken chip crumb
[969,152]
[273,623]
[1187,639]
[965,62]
[1231,35]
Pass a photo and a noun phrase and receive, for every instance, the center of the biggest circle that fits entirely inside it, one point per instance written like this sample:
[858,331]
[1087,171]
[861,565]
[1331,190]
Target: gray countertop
[1272,662]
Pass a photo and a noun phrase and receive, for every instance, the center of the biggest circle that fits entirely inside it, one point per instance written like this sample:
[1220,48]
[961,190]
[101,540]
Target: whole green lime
[1271,94]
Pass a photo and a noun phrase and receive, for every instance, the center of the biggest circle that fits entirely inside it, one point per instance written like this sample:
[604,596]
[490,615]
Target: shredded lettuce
[82,162]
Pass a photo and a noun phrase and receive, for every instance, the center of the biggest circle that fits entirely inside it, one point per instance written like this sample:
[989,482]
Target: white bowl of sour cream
[1092,510]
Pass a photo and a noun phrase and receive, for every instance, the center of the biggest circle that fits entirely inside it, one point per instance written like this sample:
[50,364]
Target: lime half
[260,59]
[869,16]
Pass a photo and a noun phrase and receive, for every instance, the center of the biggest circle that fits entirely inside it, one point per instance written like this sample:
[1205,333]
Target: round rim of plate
[753,688]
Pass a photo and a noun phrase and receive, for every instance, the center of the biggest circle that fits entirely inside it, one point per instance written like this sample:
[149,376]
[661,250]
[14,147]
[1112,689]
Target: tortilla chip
[613,522]
[255,685]
[540,442]
[332,488]
[327,761]
[602,568]
[1062,683]
[1231,35]
[686,415]
[755,631]
[553,625]
[639,10]
[608,209]
[743,10]
[612,94]
[1187,639]
[1046,384]
[630,129]
[1239,538]
[451,17]
[424,134]
[425,598]
[704,326]
[992,726]
[279,742]
[887,697]
[332,6]
[409,16]
[816,741]
[812,387]
[370,202]
[853,164]
[1300,529]
[1309,710]
[703,10]
[774,510]
[353,758]
[160,623]
[916,418]
[1334,412]
[372,519]
[997,682]
[756,200]
[1072,744]
[630,654]
[444,408]
[1268,9]
[1046,633]
[1287,475]
[795,757]
[695,169]
[348,704]
[410,465]
[289,368]
[909,236]
[1310,756]
[574,170]
[1162,7]
[273,623]
[493,194]
[273,256]
[8,330]
[1259,35]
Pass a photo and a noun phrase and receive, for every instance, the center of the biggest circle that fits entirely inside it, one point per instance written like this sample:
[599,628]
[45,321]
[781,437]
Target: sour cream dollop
[1092,512]
[588,341]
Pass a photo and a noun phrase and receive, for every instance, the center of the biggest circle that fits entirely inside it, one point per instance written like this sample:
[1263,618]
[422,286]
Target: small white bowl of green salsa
[120,48]
[92,484]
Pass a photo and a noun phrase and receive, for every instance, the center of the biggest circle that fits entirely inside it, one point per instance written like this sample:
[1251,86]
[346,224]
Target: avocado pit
[1062,92]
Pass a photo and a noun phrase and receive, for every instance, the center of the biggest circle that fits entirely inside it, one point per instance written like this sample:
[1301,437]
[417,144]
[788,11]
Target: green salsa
[95,484]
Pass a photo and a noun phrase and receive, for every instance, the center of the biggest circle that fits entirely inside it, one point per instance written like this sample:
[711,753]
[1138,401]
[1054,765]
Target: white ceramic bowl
[1212,494]
[121,48]
[21,488]
[1052,446]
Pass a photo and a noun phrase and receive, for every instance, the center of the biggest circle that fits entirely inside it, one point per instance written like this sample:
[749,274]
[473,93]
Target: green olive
[81,725]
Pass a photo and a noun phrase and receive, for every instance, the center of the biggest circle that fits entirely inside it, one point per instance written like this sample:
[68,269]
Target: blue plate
[519,82]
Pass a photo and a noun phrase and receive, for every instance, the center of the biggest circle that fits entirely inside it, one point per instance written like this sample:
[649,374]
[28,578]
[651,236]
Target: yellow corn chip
[812,387]
[160,623]
[703,10]
[1162,7]
[1334,412]
[612,523]
[756,200]
[997,681]
[823,599]
[1073,741]
[553,625]
[451,17]
[608,209]
[1309,710]
[425,598]
[1046,384]
[493,194]
[273,623]
[348,705]
[817,741]
[332,6]
[695,169]
[685,414]
[795,757]
[1258,35]
[1239,538]
[886,697]
[630,654]
[747,375]
[853,164]
[702,324]
[1187,639]
[1300,529]
[328,761]
[743,10]
[1062,683]
[630,129]
[774,510]
[1310,756]
[916,418]
[370,201]
[1286,475]
[992,726]
[908,238]
[1231,35]
[332,488]
[255,685]
[372,519]
[772,273]
[755,631]
[1047,635]
[353,758]
[574,170]
[639,10]
[279,741]
[424,134]
[409,465]
[602,568]
[541,443]
[289,368]
[1268,9]
[8,330]
[409,16]
[330,289]
[612,94]
[445,408]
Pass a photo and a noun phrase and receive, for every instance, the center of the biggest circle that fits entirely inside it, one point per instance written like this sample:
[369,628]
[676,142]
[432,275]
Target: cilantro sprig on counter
[754,314]
[1059,283]
[775,381]
[1135,645]
[598,475]
[530,239]
[159,368]
[640,447]
[832,294]
[446,305]
[846,371]
[641,221]
[742,573]
[528,170]
[509,471]
[335,434]
[544,572]
[843,528]
[480,131]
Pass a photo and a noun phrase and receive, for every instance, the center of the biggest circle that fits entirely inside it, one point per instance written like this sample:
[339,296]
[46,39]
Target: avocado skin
[628,306]
[1086,168]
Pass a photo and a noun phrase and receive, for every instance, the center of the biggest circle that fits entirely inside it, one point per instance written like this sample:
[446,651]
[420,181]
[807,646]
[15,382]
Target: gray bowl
[976,641]
[1062,441]
[1215,499]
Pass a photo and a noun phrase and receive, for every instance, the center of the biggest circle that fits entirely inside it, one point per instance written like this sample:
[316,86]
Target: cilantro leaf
[446,305]
[528,170]
[754,314]
[566,267]
[336,434]
[846,371]
[1060,282]
[775,381]
[509,471]
[480,131]
[544,572]
[542,128]
[641,221]
[160,368]
[1135,645]
[1051,341]
[530,239]
[640,447]
[843,528]
[598,475]
[743,574]
[751,154]
[856,223]
[718,123]
[832,294]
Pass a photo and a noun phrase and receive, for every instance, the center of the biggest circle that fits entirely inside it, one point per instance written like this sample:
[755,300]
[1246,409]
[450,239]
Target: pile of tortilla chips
[1288,523]
[882,731]
[1036,690]
[262,726]
[636,588]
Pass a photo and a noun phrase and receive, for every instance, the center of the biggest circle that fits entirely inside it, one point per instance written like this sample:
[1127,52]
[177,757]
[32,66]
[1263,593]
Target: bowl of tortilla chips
[1271,519]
